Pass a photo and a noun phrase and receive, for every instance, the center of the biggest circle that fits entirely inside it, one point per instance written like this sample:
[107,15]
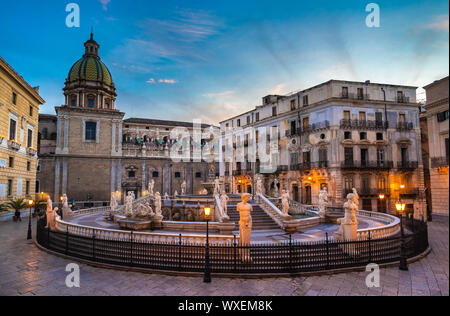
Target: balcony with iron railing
[402,99]
[405,126]
[407,165]
[439,162]
[307,129]
[363,124]
[367,164]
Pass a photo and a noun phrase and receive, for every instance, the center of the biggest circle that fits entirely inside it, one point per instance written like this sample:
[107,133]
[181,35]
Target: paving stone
[27,271]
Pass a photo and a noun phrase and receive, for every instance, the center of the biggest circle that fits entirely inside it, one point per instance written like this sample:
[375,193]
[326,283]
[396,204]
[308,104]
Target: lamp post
[403,263]
[207,276]
[381,197]
[29,236]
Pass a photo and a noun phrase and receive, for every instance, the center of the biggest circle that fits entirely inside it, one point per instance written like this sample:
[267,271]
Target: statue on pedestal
[275,188]
[51,214]
[158,218]
[259,185]
[67,212]
[245,225]
[183,188]
[129,204]
[151,186]
[224,202]
[175,195]
[349,224]
[217,186]
[166,197]
[285,202]
[323,203]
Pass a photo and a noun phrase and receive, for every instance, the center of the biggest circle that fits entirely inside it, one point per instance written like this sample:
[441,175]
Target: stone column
[113,175]
[57,179]
[144,182]
[113,138]
[66,134]
[64,177]
[119,176]
[58,134]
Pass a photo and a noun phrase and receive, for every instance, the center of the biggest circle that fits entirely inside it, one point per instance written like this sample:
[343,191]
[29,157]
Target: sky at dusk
[181,60]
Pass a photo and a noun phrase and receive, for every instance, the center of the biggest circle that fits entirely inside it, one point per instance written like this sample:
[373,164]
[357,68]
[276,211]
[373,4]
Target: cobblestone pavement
[26,270]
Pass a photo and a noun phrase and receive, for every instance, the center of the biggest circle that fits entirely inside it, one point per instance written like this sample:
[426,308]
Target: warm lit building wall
[19,110]
[437,120]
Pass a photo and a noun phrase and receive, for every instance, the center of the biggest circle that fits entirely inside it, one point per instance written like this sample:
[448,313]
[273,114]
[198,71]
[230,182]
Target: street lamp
[207,276]
[400,206]
[29,236]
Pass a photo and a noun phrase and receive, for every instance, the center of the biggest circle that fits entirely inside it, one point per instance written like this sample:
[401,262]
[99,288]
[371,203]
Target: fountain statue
[66,211]
[129,205]
[348,229]
[285,202]
[158,218]
[275,188]
[323,202]
[151,186]
[144,210]
[259,185]
[224,203]
[51,214]
[217,186]
[245,225]
[183,188]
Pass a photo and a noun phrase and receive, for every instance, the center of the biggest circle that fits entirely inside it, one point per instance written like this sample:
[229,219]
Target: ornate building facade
[340,135]
[435,126]
[88,150]
[19,110]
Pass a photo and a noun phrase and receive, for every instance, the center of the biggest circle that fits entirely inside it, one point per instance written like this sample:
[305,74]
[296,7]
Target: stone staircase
[261,221]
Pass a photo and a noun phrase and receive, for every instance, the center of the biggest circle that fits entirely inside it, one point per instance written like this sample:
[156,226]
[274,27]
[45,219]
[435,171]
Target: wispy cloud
[440,24]
[105,4]
[177,39]
[223,94]
[166,81]
[278,89]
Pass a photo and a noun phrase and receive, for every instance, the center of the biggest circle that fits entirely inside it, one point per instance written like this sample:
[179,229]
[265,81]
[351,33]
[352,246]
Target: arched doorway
[307,197]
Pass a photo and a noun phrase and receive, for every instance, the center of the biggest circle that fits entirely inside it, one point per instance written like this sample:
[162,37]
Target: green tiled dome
[92,69]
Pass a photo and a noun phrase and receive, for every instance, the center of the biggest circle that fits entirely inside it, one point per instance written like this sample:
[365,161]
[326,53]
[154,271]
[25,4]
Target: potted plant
[17,205]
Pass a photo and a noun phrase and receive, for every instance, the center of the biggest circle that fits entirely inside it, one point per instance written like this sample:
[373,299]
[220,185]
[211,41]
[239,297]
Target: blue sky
[214,59]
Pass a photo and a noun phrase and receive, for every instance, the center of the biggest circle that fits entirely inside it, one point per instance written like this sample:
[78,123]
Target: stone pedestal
[157,222]
[135,224]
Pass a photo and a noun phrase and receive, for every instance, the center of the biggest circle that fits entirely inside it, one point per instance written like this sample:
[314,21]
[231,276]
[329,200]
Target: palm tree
[17,205]
[3,207]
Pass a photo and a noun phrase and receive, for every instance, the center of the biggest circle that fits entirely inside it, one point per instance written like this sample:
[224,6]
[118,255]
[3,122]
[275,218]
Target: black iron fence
[288,257]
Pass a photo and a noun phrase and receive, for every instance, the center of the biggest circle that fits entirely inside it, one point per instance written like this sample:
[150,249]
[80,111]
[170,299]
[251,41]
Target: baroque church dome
[90,67]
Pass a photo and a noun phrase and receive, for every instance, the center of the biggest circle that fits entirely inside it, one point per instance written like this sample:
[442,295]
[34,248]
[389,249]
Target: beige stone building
[88,150]
[338,134]
[19,110]
[435,121]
